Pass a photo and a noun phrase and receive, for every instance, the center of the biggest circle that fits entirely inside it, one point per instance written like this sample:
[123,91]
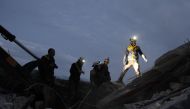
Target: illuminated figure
[131,58]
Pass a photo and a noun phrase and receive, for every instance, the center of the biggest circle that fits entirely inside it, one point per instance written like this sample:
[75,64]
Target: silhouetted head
[106,61]
[96,65]
[81,60]
[51,52]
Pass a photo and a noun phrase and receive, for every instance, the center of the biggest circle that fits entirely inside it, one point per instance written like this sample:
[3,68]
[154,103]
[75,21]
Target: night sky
[95,29]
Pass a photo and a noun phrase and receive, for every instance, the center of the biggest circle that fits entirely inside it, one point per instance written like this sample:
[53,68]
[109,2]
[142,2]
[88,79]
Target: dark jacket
[104,72]
[46,67]
[75,71]
[95,77]
[99,74]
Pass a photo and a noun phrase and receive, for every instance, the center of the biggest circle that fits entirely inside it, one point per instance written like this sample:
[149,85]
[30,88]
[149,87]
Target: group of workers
[100,72]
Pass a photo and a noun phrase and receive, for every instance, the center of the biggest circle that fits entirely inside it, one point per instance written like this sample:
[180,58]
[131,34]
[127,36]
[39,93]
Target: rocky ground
[177,98]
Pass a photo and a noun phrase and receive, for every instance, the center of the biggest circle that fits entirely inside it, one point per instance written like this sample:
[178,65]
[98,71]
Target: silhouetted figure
[104,71]
[46,67]
[74,79]
[100,73]
[131,58]
[95,74]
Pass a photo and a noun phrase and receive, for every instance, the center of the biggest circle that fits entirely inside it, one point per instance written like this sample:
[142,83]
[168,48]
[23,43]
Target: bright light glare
[135,38]
[83,61]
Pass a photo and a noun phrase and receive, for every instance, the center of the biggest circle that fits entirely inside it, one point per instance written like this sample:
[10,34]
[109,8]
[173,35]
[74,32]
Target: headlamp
[134,38]
[83,61]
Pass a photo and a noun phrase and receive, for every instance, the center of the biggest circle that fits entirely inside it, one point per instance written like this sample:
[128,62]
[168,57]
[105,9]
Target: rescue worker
[131,58]
[46,67]
[94,77]
[104,71]
[74,79]
[100,73]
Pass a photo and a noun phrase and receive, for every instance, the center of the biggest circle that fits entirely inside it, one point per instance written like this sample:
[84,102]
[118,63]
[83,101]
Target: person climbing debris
[46,67]
[94,74]
[105,71]
[100,73]
[74,79]
[131,58]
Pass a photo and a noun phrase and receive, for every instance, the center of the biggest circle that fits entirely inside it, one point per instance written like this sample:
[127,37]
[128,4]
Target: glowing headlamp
[134,38]
[83,61]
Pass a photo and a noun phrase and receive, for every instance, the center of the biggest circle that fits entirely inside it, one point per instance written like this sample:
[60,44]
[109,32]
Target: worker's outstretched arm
[124,60]
[141,53]
[144,57]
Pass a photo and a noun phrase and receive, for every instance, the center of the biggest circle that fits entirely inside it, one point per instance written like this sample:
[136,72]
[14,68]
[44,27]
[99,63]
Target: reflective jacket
[132,53]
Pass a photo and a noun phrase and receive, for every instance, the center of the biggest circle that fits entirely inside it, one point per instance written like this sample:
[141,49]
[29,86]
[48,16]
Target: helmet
[133,39]
[95,63]
[82,59]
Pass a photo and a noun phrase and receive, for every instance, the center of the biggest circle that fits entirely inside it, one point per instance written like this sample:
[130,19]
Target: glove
[145,59]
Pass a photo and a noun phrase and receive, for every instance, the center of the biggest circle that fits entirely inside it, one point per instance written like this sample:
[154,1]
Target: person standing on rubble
[105,71]
[131,58]
[100,73]
[94,74]
[74,79]
[46,67]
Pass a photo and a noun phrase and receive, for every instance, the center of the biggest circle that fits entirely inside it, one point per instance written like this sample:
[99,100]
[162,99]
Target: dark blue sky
[95,29]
